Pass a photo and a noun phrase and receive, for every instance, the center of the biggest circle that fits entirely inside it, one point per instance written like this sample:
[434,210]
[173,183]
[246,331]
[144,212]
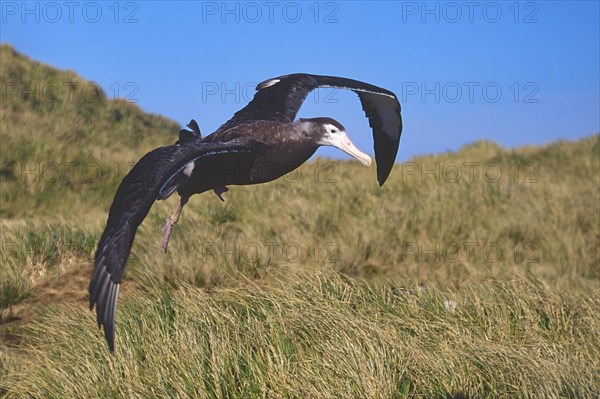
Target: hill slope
[471,273]
[61,136]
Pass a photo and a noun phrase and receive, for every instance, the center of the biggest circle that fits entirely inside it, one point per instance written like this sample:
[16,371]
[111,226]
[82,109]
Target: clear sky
[513,72]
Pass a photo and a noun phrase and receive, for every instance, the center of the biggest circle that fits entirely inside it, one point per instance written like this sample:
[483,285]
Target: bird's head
[330,132]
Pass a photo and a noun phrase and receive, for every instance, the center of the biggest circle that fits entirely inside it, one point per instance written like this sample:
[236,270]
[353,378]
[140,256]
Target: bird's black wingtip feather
[382,177]
[110,337]
[103,294]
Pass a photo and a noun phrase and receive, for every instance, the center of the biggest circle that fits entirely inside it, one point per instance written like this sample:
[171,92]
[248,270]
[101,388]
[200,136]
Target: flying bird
[260,143]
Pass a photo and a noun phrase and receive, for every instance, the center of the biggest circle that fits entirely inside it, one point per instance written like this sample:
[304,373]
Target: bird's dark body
[260,143]
[281,148]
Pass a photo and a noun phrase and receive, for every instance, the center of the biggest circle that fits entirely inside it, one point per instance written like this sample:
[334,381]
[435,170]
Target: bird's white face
[337,138]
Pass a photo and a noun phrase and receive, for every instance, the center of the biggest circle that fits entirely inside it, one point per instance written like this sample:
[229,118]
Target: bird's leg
[171,220]
[219,191]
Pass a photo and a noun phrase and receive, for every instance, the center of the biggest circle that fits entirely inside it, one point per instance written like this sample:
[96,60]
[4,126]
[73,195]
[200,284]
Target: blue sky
[513,72]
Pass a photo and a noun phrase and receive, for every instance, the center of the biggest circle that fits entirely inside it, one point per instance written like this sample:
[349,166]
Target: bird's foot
[166,230]
[219,191]
[171,220]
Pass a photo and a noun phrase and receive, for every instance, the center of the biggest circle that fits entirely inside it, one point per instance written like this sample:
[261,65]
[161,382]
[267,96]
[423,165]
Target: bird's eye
[332,131]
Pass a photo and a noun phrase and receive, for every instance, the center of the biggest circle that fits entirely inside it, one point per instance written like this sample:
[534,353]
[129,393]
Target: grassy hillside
[63,140]
[469,274]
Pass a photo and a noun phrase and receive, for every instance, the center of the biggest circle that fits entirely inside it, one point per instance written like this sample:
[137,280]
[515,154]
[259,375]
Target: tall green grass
[324,336]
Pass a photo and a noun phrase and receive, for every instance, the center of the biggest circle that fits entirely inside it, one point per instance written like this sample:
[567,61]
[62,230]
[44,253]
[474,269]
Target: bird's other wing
[189,135]
[280,99]
[135,195]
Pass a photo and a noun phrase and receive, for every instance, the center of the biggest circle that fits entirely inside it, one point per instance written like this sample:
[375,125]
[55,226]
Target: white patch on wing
[189,168]
[267,83]
[305,125]
[206,154]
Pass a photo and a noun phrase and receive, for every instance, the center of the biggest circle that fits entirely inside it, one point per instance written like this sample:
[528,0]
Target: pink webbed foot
[171,220]
[166,230]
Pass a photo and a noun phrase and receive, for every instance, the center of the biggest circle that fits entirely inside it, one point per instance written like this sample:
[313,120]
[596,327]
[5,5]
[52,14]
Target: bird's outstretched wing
[135,195]
[280,99]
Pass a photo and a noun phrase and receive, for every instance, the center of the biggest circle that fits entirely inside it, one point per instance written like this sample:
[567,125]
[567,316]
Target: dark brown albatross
[260,143]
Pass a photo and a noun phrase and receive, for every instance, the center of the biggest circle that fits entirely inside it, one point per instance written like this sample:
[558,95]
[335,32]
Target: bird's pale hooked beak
[344,143]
